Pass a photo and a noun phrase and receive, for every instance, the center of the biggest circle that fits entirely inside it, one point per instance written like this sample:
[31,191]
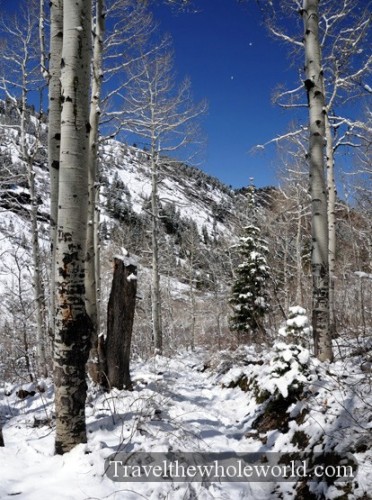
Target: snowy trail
[212,414]
[174,406]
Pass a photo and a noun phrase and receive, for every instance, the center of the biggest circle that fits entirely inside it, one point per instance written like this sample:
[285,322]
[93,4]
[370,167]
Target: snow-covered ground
[184,404]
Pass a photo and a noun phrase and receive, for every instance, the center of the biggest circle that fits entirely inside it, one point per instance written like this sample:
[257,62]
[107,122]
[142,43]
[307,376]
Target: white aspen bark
[54,139]
[331,206]
[320,269]
[155,288]
[42,368]
[43,54]
[72,328]
[331,213]
[285,272]
[27,156]
[92,264]
[299,297]
[97,246]
[192,294]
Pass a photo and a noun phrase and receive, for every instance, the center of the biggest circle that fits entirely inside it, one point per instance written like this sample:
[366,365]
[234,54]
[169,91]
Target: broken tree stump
[120,317]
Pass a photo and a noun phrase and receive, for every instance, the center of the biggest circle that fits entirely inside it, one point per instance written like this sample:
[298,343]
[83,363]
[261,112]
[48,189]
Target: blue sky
[235,65]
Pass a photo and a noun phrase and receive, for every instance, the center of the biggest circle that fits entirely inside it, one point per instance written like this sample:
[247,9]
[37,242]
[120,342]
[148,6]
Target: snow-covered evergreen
[297,328]
[249,292]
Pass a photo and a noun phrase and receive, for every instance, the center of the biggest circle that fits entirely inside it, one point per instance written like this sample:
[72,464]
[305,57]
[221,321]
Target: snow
[297,311]
[178,405]
[362,275]
[195,414]
[128,260]
[298,321]
[133,170]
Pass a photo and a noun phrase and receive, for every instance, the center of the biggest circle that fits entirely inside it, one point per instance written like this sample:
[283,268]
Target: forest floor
[193,402]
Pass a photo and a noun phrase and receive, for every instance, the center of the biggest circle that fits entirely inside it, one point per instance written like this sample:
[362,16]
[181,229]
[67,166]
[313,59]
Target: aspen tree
[314,85]
[163,115]
[343,32]
[92,260]
[54,137]
[72,326]
[114,48]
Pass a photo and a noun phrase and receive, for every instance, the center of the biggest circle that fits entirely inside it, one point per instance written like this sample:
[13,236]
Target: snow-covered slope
[189,199]
[196,195]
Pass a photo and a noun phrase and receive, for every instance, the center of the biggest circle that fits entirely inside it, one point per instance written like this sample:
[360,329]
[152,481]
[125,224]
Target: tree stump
[120,316]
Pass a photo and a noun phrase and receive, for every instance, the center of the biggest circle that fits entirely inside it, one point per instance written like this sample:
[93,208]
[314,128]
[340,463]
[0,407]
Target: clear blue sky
[235,65]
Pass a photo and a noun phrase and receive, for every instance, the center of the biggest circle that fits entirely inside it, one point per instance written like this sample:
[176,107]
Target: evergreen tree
[249,292]
[297,329]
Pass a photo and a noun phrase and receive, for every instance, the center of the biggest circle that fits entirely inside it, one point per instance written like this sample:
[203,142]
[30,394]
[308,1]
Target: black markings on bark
[69,258]
[309,84]
[76,87]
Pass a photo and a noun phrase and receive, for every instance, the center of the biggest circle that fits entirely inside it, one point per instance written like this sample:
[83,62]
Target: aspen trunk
[1,436]
[36,260]
[54,138]
[285,272]
[331,207]
[39,295]
[92,264]
[120,316]
[299,273]
[320,268]
[72,327]
[155,288]
[193,301]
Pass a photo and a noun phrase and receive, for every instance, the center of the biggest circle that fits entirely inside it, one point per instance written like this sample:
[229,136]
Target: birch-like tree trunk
[155,279]
[299,271]
[72,327]
[1,436]
[38,285]
[320,268]
[28,156]
[92,263]
[54,138]
[331,214]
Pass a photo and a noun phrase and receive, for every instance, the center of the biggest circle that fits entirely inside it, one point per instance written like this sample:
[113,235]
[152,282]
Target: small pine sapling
[297,329]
